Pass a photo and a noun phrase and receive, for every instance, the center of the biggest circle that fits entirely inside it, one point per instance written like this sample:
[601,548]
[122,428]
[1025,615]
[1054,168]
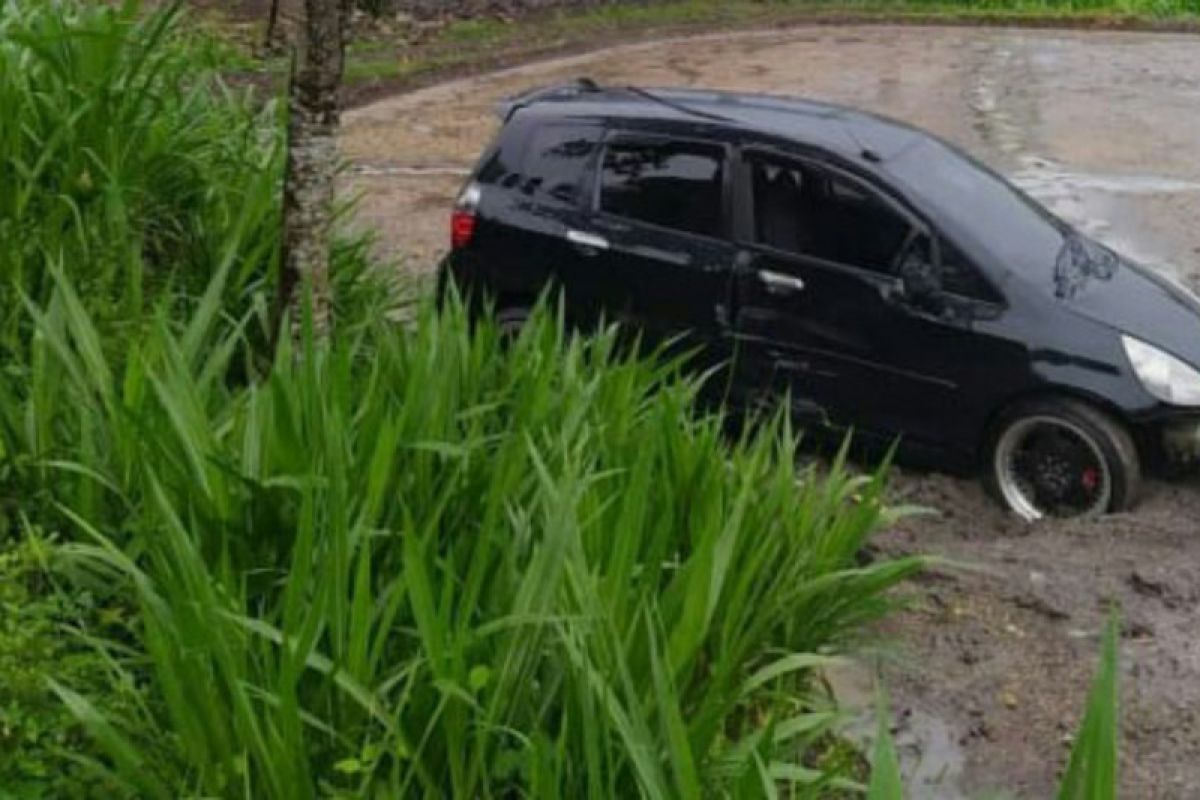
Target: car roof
[916,164]
[848,132]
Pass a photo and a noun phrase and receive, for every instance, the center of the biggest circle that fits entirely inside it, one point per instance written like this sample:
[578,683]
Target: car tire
[1103,460]
[510,320]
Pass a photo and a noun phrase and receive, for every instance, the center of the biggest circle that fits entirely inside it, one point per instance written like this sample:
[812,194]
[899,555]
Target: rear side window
[555,160]
[670,184]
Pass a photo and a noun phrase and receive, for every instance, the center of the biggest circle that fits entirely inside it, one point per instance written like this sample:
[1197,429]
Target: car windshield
[981,207]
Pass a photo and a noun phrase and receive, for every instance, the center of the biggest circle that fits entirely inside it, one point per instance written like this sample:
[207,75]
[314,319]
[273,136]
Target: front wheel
[1063,458]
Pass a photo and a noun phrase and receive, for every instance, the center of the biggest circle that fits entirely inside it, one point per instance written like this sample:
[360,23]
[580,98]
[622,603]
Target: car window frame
[918,224]
[633,136]
[747,236]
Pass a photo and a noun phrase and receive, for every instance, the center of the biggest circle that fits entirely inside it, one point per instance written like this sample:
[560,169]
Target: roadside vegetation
[397,57]
[402,560]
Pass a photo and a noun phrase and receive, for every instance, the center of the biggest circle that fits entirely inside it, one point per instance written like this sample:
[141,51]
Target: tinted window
[954,275]
[962,279]
[555,159]
[670,184]
[805,210]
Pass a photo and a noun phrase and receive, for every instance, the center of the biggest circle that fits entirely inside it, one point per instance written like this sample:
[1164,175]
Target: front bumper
[1181,442]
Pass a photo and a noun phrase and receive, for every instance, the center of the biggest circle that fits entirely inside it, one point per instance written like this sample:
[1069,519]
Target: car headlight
[1162,374]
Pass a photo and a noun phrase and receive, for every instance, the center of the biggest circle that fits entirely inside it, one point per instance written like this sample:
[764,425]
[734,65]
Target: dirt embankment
[255,9]
[993,660]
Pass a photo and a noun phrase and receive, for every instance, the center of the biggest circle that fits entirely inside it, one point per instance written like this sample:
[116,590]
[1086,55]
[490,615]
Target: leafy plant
[45,635]
[406,563]
[1092,770]
[125,161]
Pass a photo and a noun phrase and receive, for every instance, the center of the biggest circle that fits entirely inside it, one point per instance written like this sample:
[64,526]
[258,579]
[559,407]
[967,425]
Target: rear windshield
[981,208]
[545,162]
[556,157]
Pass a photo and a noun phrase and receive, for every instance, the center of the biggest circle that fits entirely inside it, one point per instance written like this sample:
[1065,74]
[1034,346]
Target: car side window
[959,277]
[555,160]
[803,209]
[676,185]
[953,274]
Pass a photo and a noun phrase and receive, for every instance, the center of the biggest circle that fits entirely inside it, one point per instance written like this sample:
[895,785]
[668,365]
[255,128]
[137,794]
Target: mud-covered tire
[1104,435]
[510,320]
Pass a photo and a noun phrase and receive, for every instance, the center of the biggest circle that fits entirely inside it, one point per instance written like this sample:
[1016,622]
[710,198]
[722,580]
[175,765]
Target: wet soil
[993,659]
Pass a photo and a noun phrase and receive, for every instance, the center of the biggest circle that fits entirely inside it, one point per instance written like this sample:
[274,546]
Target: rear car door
[820,308]
[658,236]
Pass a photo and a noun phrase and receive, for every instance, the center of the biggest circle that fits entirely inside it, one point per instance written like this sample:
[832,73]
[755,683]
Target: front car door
[821,309]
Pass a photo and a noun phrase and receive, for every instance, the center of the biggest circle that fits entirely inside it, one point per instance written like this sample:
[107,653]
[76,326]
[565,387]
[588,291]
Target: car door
[658,238]
[820,308]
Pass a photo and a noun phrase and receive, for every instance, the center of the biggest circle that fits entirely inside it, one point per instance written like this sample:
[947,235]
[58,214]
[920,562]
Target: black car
[882,279]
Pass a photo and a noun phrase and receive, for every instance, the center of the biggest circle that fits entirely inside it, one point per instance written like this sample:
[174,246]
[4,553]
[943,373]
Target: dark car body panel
[851,345]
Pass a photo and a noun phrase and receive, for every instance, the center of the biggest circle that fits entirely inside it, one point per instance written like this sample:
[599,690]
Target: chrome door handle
[588,240]
[778,283]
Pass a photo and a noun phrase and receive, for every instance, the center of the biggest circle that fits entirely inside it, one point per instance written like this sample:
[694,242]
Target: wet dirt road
[993,663]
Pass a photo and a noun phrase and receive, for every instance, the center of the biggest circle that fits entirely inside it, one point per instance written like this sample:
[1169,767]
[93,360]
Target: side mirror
[921,281]
[743,261]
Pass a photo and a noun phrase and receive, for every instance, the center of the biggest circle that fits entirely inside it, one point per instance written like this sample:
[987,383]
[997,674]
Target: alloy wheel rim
[1050,467]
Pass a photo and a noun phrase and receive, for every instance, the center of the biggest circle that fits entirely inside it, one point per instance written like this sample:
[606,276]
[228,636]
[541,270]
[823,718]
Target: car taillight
[462,228]
[462,219]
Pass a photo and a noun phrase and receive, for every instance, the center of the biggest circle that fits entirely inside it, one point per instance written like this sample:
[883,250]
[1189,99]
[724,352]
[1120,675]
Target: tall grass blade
[1092,771]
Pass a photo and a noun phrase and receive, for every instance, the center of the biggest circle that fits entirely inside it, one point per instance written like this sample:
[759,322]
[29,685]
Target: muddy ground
[992,663]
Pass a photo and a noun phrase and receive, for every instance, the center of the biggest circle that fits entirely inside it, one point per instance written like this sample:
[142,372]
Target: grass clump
[125,161]
[427,563]
[44,633]
[407,561]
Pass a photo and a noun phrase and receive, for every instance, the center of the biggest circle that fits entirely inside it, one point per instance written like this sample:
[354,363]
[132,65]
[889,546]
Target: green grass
[125,161]
[1092,771]
[421,561]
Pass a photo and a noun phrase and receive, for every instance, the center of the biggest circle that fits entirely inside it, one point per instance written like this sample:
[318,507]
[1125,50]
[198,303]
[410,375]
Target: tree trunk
[272,26]
[314,114]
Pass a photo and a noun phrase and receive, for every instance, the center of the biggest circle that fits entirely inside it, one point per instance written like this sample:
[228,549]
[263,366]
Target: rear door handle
[778,283]
[587,241]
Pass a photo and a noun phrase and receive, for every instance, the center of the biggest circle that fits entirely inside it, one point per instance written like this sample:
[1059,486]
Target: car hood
[1097,283]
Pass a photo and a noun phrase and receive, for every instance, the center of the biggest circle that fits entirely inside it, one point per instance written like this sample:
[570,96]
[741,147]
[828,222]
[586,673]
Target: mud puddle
[992,663]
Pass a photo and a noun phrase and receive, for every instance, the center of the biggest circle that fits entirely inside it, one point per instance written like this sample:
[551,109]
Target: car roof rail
[586,85]
[674,104]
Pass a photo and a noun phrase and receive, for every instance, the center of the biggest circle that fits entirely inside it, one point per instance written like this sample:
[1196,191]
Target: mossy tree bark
[308,195]
[269,38]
